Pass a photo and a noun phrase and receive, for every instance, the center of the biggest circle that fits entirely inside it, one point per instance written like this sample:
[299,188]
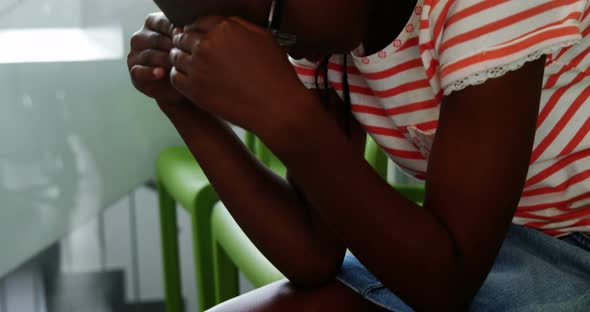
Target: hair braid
[323,71]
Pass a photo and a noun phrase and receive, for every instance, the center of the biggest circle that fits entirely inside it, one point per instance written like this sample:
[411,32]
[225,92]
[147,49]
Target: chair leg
[202,247]
[226,275]
[169,233]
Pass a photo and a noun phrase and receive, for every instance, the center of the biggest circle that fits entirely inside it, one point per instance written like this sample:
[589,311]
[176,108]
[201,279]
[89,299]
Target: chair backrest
[376,157]
[264,154]
[256,146]
[250,141]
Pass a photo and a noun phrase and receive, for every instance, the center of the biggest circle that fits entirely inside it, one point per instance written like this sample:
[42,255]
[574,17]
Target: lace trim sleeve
[499,71]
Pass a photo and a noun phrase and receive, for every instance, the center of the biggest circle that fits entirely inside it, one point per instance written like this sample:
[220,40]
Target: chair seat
[228,234]
[181,175]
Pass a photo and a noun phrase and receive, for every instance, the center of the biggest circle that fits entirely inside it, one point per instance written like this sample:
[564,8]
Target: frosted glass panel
[40,13]
[61,44]
[74,134]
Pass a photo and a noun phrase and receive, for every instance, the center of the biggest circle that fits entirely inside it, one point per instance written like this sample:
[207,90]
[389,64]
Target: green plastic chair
[221,248]
[227,235]
[181,180]
[234,252]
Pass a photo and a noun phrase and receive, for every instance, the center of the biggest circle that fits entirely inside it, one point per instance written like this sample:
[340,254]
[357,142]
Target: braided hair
[322,71]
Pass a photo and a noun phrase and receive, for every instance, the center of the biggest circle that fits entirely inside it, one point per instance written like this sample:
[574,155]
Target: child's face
[322,27]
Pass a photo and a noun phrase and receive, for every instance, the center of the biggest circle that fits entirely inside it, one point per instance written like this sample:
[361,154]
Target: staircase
[94,292]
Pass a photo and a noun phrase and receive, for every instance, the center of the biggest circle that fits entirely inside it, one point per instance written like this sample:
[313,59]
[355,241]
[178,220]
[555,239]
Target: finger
[160,42]
[180,81]
[153,58]
[147,39]
[205,24]
[177,31]
[181,60]
[159,22]
[141,74]
[187,41]
[159,72]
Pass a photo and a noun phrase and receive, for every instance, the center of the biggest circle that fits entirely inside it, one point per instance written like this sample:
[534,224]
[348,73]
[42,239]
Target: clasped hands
[225,66]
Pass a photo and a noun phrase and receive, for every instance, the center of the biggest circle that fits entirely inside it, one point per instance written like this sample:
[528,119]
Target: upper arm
[482,149]
[479,162]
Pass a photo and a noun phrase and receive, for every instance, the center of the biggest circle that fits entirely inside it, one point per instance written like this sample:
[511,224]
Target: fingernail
[158,72]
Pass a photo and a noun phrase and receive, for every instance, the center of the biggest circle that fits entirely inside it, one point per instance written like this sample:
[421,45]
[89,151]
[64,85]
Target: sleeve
[306,71]
[473,41]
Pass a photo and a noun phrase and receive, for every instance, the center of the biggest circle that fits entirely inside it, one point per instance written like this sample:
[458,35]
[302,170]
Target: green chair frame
[180,180]
[221,248]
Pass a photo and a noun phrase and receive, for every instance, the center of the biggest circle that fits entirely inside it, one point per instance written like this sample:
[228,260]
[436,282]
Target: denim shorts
[533,272]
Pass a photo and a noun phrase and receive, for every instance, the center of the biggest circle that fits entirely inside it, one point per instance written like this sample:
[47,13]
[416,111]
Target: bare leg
[283,297]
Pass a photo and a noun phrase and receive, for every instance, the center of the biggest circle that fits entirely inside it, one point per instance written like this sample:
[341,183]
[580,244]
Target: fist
[233,69]
[149,60]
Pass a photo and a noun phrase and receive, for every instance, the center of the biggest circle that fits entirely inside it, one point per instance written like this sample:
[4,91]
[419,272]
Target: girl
[487,101]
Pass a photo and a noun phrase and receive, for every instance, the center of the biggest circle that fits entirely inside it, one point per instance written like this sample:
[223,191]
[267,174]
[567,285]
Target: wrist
[180,110]
[177,103]
[195,125]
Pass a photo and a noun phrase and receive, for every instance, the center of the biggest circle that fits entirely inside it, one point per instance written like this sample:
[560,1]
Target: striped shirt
[448,45]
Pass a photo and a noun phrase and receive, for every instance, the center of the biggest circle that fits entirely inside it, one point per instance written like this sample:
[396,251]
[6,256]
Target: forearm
[265,205]
[415,255]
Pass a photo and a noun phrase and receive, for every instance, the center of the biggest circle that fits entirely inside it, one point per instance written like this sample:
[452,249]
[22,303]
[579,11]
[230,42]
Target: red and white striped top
[448,45]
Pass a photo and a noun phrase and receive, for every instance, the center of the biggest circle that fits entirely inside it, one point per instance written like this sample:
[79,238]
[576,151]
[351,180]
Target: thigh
[283,297]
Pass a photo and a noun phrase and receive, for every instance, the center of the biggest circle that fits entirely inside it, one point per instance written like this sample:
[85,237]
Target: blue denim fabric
[533,272]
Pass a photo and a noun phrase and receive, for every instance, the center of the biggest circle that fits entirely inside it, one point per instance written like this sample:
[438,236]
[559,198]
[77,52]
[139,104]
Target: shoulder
[471,37]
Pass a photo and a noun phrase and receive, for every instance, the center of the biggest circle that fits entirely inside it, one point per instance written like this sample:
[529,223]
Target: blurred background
[79,228]
[79,231]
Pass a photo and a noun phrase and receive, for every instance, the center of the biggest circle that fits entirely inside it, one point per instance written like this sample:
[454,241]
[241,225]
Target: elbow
[315,273]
